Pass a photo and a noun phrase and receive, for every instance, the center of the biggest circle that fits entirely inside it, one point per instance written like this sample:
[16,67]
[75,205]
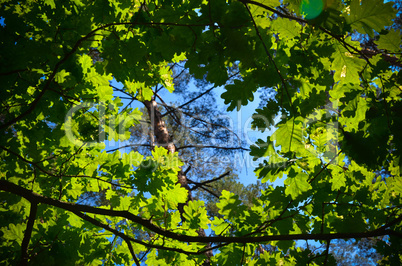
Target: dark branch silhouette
[34,197]
[28,233]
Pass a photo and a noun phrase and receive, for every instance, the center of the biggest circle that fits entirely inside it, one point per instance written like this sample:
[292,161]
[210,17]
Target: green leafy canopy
[333,117]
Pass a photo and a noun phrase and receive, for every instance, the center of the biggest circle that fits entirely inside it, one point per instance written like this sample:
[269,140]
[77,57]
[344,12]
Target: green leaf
[98,79]
[196,215]
[370,15]
[286,29]
[265,118]
[219,226]
[260,13]
[135,51]
[290,136]
[347,66]
[166,76]
[270,3]
[75,188]
[125,203]
[175,196]
[60,76]
[230,205]
[86,62]
[338,178]
[146,93]
[390,42]
[74,220]
[349,224]
[397,185]
[273,168]
[354,112]
[14,232]
[105,93]
[239,93]
[296,183]
[50,3]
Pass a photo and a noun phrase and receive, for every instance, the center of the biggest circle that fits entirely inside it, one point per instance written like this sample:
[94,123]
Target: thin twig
[325,167]
[202,94]
[327,253]
[130,145]
[242,257]
[270,57]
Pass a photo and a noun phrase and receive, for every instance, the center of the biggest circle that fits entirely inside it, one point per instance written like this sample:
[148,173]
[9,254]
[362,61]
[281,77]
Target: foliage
[337,143]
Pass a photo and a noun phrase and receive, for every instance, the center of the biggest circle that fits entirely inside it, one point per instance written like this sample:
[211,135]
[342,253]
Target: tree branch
[27,161]
[75,208]
[390,59]
[327,253]
[127,238]
[124,92]
[273,10]
[171,110]
[209,191]
[200,95]
[212,146]
[325,167]
[214,179]
[388,225]
[28,233]
[199,185]
[130,145]
[130,247]
[206,122]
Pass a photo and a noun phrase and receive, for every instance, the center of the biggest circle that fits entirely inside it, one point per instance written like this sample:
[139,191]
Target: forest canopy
[328,75]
